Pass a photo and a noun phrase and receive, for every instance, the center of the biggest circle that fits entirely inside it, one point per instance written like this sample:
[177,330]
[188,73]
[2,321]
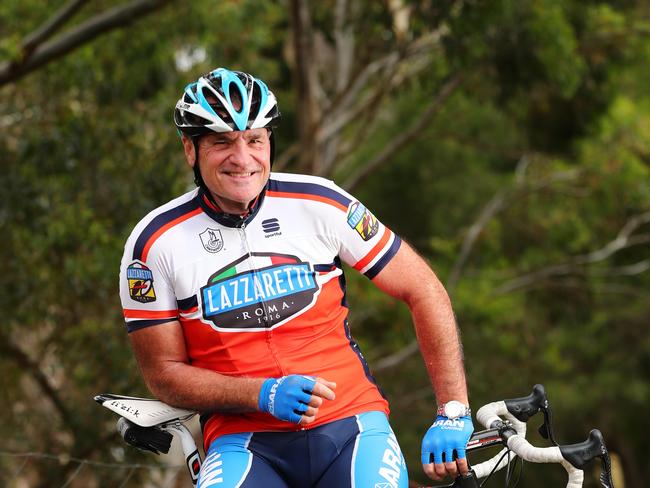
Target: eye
[214,141]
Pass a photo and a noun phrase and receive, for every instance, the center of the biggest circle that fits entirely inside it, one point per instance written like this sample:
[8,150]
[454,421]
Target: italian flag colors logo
[258,291]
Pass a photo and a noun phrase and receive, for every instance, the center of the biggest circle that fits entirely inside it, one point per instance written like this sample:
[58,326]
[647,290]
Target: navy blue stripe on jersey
[160,221]
[342,283]
[187,303]
[141,324]
[325,268]
[385,259]
[310,189]
[362,359]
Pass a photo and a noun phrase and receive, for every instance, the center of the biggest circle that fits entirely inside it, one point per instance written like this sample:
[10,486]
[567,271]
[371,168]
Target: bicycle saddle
[145,412]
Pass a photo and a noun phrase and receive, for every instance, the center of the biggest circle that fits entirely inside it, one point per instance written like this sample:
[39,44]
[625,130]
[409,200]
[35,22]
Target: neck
[222,205]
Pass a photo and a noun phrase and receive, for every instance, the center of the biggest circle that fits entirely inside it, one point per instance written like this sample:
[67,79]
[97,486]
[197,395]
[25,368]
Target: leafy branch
[36,51]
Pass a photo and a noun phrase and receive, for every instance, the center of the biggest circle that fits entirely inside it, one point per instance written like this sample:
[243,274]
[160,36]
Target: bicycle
[150,424]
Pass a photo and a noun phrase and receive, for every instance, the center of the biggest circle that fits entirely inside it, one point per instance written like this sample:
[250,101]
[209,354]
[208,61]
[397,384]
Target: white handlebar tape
[488,414]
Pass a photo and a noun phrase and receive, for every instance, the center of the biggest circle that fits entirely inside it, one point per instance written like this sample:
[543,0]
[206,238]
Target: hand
[441,440]
[295,398]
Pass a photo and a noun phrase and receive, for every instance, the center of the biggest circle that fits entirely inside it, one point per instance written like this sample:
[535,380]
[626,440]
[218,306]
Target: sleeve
[364,242]
[146,290]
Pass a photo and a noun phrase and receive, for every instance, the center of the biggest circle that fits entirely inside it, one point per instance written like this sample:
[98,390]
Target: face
[234,165]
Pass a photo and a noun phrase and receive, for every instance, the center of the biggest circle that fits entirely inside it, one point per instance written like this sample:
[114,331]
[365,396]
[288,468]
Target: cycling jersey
[262,295]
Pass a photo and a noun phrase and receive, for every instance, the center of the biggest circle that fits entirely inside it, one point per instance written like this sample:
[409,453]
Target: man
[234,298]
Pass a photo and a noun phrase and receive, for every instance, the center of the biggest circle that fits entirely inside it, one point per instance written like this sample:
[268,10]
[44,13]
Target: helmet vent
[255,102]
[235,97]
[195,120]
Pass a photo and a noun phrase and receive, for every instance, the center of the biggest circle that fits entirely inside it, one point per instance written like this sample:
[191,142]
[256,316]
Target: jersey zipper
[268,331]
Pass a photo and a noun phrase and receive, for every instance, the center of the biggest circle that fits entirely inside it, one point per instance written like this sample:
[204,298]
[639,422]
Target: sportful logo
[240,296]
[212,240]
[271,227]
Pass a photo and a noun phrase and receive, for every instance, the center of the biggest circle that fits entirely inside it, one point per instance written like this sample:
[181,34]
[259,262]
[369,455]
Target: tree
[507,141]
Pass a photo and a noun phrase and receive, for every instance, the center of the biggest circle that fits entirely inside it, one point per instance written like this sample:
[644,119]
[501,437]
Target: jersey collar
[210,207]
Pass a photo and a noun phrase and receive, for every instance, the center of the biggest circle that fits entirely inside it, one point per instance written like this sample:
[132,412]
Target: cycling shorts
[359,451]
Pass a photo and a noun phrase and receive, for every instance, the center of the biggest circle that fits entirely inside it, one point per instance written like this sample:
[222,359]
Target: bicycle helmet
[225,101]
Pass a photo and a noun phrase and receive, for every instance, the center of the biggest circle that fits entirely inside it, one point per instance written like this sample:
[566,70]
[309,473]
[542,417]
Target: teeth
[240,174]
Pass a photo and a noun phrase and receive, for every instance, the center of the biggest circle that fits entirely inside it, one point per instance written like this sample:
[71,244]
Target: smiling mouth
[240,174]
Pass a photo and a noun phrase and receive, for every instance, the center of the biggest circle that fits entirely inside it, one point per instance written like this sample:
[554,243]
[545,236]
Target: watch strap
[441,409]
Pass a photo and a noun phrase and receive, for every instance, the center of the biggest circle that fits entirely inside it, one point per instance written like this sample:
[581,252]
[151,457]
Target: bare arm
[409,278]
[162,357]
[161,354]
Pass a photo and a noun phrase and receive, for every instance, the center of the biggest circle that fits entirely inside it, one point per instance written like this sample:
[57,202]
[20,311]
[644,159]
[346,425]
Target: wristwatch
[454,409]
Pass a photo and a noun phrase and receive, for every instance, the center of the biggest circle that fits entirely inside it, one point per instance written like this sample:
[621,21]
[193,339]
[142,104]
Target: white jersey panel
[185,260]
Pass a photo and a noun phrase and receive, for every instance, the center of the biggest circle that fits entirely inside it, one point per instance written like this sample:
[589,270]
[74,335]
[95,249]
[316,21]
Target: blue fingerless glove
[287,397]
[444,437]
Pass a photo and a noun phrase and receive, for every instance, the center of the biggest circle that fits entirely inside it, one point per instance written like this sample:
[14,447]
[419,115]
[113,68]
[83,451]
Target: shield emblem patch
[212,240]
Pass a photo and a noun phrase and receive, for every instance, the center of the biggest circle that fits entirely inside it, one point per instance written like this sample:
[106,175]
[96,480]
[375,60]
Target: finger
[330,384]
[463,465]
[315,401]
[324,391]
[308,416]
[310,412]
[304,397]
[452,469]
[430,472]
[304,420]
[440,470]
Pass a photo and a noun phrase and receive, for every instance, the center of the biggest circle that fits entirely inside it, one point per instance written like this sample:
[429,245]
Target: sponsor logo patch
[271,227]
[391,464]
[361,220]
[140,279]
[212,240]
[258,291]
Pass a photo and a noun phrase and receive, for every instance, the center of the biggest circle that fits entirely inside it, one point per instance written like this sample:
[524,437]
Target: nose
[239,152]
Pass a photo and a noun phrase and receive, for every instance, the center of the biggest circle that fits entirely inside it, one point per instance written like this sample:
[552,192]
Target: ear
[188,148]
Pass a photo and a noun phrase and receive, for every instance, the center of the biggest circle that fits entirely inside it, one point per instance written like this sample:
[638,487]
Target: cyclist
[234,298]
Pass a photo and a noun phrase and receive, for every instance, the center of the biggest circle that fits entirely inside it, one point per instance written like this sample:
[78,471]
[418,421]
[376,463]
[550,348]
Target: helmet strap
[272,139]
[198,179]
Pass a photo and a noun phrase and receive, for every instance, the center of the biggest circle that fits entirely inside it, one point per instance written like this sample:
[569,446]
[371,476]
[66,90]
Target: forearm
[186,386]
[439,341]
[409,278]
[161,354]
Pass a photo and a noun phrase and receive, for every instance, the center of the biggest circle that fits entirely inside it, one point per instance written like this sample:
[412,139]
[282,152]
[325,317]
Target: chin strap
[198,179]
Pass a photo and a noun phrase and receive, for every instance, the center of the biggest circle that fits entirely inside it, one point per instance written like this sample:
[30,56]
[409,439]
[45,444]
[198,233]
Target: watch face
[454,409]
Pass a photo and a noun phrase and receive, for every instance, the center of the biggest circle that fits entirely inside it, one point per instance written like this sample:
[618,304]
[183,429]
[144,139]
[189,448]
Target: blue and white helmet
[225,101]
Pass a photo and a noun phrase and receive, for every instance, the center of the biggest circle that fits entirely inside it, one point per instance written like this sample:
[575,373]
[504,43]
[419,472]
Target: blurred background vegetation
[508,141]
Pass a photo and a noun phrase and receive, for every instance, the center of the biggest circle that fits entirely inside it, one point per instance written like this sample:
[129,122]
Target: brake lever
[581,453]
[525,407]
[546,429]
[606,480]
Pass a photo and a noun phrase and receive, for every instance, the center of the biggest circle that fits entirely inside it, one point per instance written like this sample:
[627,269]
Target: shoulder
[161,218]
[308,187]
